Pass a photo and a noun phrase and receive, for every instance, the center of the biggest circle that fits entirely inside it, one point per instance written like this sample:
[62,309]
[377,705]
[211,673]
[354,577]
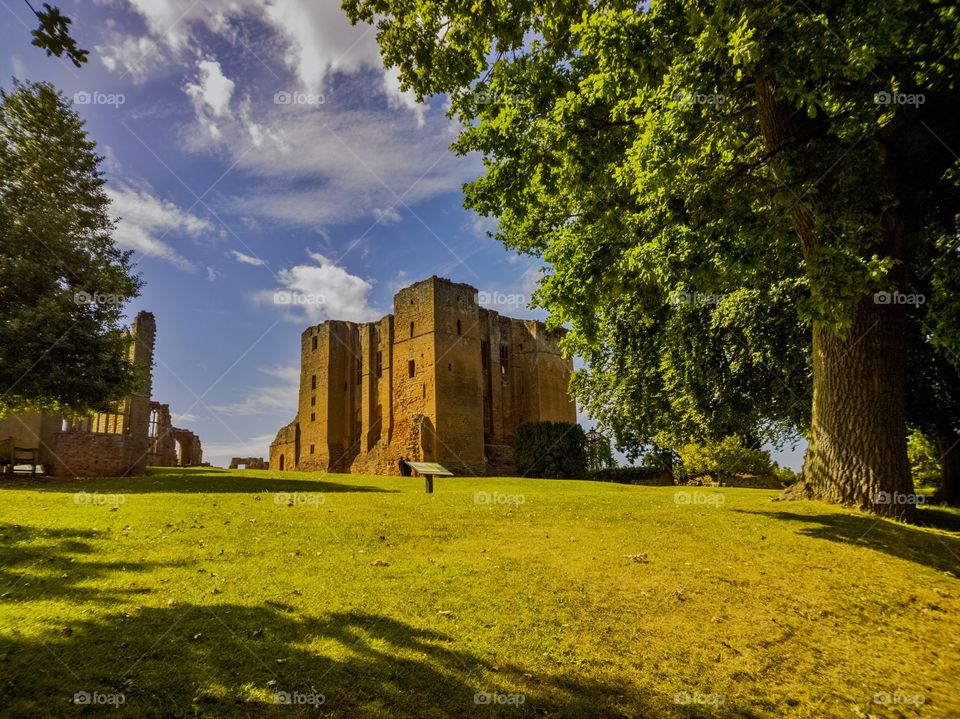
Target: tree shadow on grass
[263,661]
[915,543]
[188,483]
[51,564]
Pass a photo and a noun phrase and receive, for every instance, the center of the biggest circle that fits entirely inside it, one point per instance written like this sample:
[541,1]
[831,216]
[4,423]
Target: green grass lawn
[212,593]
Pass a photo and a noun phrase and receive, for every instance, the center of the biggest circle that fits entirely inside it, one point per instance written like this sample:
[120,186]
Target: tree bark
[858,447]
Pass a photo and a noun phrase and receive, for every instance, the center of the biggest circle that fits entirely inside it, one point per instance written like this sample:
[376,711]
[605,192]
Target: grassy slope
[202,595]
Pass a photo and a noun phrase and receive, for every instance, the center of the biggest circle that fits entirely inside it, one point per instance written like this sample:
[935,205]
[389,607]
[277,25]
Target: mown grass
[206,592]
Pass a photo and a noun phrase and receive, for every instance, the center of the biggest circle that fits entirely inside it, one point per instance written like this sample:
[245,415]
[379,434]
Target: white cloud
[133,56]
[247,259]
[278,398]
[213,90]
[321,40]
[387,215]
[185,417]
[314,39]
[146,221]
[404,99]
[320,291]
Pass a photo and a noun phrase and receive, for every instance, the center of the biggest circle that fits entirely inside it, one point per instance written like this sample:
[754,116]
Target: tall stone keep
[441,379]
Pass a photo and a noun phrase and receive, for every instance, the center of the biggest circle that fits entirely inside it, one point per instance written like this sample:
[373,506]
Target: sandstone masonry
[439,380]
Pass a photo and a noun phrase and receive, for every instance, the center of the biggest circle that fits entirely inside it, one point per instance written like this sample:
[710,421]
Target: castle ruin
[439,380]
[138,434]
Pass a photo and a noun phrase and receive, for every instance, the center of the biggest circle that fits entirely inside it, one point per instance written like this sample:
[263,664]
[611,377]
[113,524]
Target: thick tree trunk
[949,469]
[858,448]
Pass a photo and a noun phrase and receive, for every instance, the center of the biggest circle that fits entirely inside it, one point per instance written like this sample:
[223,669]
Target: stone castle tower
[441,379]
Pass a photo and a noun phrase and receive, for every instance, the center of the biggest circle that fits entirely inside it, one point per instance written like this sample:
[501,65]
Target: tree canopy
[738,202]
[63,281]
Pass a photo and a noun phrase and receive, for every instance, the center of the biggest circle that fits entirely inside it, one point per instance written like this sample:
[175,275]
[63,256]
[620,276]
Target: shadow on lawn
[231,661]
[911,542]
[49,564]
[188,483]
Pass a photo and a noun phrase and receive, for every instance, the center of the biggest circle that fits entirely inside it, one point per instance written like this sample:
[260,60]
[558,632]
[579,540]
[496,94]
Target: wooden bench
[12,456]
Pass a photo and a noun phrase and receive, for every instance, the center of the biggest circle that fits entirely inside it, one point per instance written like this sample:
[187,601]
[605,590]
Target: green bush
[552,450]
[785,475]
[723,459]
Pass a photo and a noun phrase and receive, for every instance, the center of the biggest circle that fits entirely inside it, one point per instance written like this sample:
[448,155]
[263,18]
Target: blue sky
[255,151]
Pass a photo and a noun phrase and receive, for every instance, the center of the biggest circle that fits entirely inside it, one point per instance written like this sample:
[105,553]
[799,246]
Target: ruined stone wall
[163,446]
[414,353]
[458,379]
[77,453]
[191,451]
[248,463]
[283,451]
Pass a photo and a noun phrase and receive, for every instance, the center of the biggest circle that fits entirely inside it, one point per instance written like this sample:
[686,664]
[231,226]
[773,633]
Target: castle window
[314,342]
[313,382]
[483,353]
[458,327]
[313,416]
[359,371]
[345,385]
[424,391]
[411,329]
[411,368]
[312,448]
[380,364]
[504,358]
[449,368]
[313,401]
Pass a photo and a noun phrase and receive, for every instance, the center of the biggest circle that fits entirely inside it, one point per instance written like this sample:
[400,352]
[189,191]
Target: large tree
[63,281]
[744,152]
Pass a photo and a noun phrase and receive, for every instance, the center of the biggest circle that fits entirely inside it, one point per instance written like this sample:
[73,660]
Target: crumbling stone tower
[441,379]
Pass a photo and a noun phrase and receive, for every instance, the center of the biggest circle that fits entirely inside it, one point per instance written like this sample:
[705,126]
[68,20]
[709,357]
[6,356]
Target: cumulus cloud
[146,222]
[320,291]
[213,90]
